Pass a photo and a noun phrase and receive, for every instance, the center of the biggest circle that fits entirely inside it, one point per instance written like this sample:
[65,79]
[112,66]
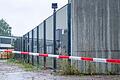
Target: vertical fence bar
[15,47]
[44,43]
[23,47]
[32,46]
[38,45]
[28,47]
[69,30]
[54,39]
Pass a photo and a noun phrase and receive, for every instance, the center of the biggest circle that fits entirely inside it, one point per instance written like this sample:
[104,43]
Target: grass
[24,65]
[65,68]
[68,69]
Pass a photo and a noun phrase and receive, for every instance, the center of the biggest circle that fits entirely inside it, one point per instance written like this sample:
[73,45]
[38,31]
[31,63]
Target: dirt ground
[13,72]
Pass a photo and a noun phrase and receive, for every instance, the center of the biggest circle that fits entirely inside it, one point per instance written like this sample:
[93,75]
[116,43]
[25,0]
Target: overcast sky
[24,15]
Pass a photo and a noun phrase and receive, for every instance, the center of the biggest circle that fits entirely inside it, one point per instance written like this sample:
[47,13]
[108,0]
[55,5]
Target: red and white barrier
[116,61]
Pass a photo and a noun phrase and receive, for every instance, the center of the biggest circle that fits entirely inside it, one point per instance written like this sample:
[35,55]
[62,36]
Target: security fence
[95,34]
[41,39]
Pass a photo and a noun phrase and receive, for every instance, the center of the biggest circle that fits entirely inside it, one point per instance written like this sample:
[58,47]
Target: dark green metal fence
[41,39]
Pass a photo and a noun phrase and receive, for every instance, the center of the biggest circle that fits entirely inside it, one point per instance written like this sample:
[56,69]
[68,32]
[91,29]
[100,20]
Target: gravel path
[13,72]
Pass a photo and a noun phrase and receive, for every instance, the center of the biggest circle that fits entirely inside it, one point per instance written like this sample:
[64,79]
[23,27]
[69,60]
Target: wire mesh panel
[28,49]
[35,40]
[30,45]
[30,40]
[26,46]
[35,44]
[61,32]
[26,42]
[41,42]
[18,47]
[18,44]
[41,38]
[49,40]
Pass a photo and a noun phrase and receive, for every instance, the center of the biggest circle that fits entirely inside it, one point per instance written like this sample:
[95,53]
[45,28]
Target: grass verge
[68,69]
[24,65]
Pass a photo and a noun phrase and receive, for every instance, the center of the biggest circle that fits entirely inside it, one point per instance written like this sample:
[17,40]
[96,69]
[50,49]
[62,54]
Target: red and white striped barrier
[116,61]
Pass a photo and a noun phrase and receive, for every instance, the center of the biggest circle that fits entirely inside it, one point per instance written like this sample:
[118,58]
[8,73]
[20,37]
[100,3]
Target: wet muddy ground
[13,72]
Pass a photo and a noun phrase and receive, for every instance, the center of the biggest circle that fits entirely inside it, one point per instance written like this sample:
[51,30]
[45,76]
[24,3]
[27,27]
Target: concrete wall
[96,33]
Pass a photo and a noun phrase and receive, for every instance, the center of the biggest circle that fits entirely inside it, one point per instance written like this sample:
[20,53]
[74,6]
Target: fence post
[23,47]
[32,47]
[69,31]
[44,43]
[38,45]
[28,47]
[21,41]
[54,39]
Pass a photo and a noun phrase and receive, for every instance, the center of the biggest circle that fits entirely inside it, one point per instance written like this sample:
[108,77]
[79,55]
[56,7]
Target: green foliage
[24,65]
[5,29]
[91,69]
[68,69]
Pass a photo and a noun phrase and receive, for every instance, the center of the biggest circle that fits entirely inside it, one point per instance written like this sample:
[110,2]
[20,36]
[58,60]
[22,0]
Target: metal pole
[32,46]
[54,39]
[69,31]
[44,43]
[21,41]
[28,48]
[38,45]
[23,48]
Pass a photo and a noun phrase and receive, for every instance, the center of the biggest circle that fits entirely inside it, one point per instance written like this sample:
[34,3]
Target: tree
[5,29]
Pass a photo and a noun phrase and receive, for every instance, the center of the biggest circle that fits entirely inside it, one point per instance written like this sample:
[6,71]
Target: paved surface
[13,72]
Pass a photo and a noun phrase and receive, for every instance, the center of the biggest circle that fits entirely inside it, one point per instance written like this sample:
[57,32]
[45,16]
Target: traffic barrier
[116,61]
